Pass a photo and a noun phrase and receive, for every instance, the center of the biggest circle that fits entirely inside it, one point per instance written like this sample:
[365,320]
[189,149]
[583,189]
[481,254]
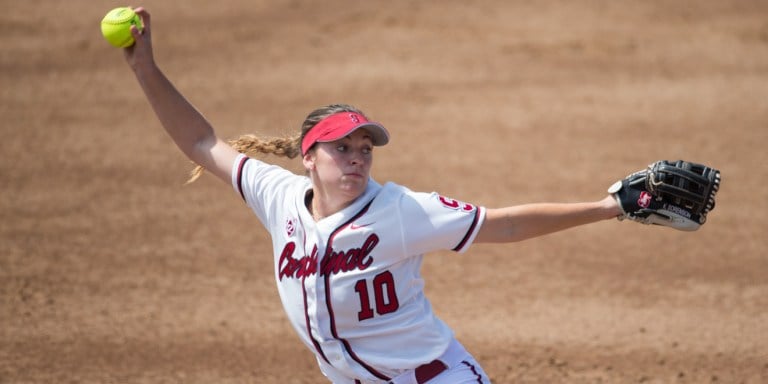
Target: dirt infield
[113,271]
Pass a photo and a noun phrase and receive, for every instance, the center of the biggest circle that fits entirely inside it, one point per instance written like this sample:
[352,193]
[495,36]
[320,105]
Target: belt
[427,372]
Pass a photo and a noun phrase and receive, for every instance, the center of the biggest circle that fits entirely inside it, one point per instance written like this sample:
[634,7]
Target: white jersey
[351,283]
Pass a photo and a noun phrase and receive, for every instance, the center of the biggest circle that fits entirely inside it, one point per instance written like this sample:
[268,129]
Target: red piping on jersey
[328,251]
[306,318]
[470,231]
[306,305]
[474,370]
[240,176]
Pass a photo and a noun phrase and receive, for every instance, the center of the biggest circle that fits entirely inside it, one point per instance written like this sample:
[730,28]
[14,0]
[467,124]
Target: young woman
[348,250]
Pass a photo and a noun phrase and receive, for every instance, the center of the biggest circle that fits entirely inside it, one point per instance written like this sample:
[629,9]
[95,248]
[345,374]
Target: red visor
[341,124]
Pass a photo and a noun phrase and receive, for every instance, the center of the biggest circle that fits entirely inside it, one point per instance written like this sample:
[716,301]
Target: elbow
[500,237]
[199,148]
[500,230]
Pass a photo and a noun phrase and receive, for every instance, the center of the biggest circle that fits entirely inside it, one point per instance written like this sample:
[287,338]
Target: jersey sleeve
[264,187]
[433,222]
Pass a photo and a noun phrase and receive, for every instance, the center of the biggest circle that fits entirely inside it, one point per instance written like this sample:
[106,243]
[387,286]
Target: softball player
[347,250]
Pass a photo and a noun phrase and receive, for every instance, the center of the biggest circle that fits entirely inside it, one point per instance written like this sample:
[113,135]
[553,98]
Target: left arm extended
[520,222]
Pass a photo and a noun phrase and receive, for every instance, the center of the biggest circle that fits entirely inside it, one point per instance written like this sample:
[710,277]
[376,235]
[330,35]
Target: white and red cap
[339,125]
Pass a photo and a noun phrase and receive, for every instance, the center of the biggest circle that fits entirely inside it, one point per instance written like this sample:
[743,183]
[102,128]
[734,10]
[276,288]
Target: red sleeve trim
[470,231]
[240,176]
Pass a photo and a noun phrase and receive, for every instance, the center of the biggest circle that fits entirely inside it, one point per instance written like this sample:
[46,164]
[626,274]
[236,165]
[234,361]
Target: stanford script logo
[290,226]
[644,200]
[455,204]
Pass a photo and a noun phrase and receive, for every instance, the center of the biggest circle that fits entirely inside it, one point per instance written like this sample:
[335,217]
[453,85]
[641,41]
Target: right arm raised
[191,132]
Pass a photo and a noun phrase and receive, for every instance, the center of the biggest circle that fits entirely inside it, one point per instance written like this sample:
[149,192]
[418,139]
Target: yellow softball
[116,26]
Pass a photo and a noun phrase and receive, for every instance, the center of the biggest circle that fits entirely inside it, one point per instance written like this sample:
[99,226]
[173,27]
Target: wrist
[611,207]
[145,68]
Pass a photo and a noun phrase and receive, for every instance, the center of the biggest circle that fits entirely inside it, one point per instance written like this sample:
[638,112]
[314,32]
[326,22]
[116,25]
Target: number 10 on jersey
[384,295]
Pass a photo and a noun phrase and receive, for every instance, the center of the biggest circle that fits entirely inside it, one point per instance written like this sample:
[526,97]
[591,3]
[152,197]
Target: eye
[342,148]
[367,150]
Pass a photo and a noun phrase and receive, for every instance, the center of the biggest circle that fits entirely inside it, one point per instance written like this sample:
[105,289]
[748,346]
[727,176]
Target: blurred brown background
[113,271]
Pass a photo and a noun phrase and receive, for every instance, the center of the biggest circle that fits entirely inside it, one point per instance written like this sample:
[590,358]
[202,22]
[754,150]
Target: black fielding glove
[677,194]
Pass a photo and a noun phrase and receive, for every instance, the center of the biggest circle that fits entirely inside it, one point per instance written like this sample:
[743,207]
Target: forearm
[531,220]
[184,123]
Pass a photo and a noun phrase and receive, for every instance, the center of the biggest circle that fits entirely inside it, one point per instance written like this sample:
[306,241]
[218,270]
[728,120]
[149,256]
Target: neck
[320,207]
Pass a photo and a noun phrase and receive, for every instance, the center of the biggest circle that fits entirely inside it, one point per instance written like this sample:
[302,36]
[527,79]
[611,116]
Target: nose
[356,157]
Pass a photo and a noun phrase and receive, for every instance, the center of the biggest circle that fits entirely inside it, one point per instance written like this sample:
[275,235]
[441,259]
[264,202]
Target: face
[340,169]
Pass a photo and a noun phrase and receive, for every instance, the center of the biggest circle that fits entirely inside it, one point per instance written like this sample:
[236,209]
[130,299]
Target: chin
[353,190]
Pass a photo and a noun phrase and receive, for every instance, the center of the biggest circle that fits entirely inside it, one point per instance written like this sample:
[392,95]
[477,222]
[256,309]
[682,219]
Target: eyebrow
[366,136]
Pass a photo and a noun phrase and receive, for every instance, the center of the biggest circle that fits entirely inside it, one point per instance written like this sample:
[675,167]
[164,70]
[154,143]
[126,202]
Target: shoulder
[405,195]
[252,176]
[253,167]
[391,193]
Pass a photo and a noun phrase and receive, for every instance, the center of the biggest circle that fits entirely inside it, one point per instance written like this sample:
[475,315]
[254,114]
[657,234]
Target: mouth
[354,175]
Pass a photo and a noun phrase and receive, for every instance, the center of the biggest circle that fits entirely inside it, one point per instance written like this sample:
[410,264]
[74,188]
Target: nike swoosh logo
[355,226]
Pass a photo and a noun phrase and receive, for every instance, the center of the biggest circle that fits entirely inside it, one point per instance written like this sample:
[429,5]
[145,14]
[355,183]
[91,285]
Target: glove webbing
[688,187]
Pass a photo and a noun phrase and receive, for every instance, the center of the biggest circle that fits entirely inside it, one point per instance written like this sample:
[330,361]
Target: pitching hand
[140,53]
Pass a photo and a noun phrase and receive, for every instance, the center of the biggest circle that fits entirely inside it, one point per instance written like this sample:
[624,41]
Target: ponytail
[251,144]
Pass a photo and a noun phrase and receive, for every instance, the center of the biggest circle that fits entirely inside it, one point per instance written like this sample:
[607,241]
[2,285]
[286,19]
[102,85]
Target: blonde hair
[289,147]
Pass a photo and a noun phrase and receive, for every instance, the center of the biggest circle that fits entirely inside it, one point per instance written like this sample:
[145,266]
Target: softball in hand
[116,26]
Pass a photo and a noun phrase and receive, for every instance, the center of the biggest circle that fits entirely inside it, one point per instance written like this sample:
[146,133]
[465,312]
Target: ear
[309,160]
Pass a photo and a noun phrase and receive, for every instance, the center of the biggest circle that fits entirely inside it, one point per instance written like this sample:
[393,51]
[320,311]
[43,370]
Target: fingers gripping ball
[677,194]
[116,26]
